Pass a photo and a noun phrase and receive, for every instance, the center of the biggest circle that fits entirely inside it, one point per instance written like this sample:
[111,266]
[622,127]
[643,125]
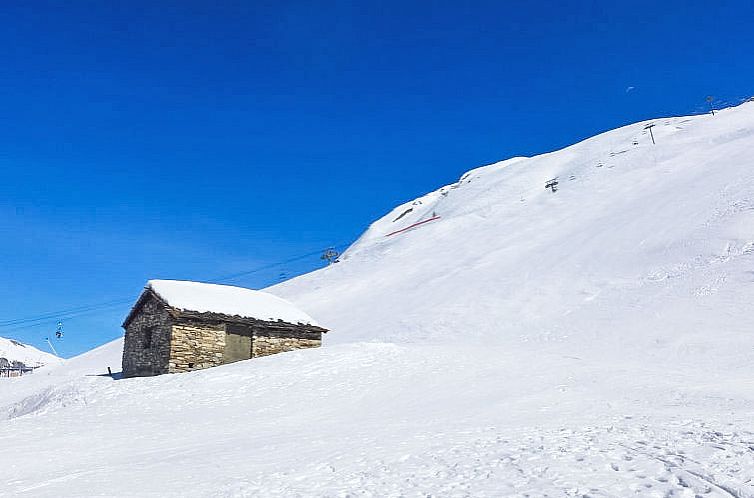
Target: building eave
[208,316]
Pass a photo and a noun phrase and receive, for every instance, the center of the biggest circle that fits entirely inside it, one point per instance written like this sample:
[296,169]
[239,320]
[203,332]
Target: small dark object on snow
[552,184]
[330,255]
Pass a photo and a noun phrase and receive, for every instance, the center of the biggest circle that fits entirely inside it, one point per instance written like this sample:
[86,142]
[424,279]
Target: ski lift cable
[46,322]
[58,313]
[44,319]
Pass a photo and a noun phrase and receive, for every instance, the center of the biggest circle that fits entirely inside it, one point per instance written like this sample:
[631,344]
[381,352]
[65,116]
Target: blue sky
[195,140]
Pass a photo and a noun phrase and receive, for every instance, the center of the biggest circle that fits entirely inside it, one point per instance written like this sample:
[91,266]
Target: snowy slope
[29,355]
[644,249]
[386,420]
[60,372]
[593,341]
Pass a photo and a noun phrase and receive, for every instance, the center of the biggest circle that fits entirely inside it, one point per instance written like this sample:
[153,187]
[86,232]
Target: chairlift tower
[649,127]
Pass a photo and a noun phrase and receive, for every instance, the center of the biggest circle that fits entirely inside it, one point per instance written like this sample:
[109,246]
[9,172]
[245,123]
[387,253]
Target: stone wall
[266,342]
[196,346]
[159,340]
[146,347]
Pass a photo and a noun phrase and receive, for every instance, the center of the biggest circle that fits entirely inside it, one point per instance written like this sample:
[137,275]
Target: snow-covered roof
[227,300]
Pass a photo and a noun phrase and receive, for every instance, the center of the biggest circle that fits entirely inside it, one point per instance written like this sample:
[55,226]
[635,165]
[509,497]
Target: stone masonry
[196,346]
[267,343]
[147,341]
[160,339]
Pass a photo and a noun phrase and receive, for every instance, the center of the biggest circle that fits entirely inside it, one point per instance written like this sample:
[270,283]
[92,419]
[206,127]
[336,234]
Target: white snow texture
[228,300]
[591,341]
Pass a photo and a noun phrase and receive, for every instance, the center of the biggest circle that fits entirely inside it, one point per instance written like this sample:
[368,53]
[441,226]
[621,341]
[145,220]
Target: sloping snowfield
[592,341]
[29,355]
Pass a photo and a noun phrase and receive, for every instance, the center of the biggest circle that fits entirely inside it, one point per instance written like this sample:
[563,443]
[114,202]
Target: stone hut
[178,326]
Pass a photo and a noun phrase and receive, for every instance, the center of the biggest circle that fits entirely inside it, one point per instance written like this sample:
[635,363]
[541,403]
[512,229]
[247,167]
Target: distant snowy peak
[30,356]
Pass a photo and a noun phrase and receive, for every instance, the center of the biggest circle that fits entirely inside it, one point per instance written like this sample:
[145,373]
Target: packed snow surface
[29,355]
[591,341]
[228,300]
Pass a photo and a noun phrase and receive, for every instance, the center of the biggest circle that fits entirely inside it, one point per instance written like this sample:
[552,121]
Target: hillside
[643,249]
[591,341]
[29,355]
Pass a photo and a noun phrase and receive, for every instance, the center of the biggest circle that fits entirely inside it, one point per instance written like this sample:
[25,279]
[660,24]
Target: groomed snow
[228,300]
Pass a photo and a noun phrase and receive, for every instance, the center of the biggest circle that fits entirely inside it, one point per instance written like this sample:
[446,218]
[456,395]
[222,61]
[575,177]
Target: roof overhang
[180,314]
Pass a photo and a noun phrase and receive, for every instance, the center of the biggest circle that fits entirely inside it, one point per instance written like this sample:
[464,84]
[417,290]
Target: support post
[52,347]
[649,127]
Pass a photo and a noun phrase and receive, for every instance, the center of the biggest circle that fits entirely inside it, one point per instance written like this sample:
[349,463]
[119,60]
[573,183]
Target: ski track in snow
[593,461]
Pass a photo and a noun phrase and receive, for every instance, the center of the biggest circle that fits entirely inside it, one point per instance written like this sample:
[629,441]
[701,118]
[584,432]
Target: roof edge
[211,315]
[146,293]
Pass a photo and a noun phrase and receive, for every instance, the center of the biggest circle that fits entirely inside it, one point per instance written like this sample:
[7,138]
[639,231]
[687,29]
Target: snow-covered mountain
[492,338]
[30,356]
[643,249]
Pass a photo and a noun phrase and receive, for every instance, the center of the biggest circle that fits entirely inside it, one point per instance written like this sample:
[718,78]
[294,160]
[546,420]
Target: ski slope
[592,341]
[642,248]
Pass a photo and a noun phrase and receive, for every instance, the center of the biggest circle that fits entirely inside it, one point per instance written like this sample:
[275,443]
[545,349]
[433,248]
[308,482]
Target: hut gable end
[146,348]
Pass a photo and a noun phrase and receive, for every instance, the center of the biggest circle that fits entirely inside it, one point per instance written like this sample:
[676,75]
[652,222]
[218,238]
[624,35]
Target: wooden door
[237,343]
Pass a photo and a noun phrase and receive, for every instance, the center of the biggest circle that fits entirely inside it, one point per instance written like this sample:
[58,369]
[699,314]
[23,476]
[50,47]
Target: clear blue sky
[193,140]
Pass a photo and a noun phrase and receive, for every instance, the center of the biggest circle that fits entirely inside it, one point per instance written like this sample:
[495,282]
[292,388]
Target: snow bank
[228,300]
[93,362]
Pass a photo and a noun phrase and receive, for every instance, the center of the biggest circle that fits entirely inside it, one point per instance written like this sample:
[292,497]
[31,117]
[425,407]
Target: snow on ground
[90,364]
[387,420]
[593,341]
